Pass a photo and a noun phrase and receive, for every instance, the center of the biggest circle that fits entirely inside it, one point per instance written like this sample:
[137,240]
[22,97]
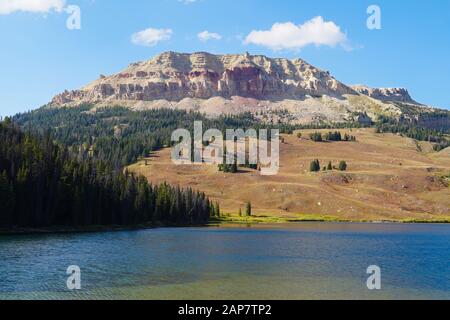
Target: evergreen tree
[342,166]
[316,137]
[217,210]
[43,184]
[7,199]
[330,166]
[248,209]
[314,166]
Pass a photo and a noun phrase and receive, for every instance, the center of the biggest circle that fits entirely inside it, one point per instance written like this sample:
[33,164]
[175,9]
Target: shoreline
[226,220]
[324,219]
[90,229]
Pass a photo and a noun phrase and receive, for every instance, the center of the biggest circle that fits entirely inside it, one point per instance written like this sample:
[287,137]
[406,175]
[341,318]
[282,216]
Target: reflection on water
[295,261]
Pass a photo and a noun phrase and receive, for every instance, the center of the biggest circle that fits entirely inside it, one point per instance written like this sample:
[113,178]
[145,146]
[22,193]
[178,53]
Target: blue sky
[40,56]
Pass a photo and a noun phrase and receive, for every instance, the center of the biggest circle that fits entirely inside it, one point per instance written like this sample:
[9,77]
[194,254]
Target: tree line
[120,136]
[315,166]
[43,185]
[330,136]
[413,131]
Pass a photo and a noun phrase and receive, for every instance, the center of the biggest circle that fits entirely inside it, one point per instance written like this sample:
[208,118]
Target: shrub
[342,166]
[330,166]
[316,137]
[314,166]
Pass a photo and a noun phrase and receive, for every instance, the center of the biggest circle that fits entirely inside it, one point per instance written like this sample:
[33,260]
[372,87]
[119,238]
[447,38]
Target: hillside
[389,178]
[43,185]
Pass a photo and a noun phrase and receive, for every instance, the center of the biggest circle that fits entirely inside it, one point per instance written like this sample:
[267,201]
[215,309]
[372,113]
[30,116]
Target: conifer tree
[314,166]
[342,166]
[248,209]
[330,166]
[43,184]
[217,210]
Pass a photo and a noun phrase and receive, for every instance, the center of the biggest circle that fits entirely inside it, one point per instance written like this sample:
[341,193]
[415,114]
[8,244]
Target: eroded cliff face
[275,90]
[175,76]
[386,94]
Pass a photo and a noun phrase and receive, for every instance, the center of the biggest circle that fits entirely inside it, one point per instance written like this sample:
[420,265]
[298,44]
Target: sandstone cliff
[175,76]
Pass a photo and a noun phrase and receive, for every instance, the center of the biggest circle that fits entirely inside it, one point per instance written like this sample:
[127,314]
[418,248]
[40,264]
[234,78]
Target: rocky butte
[273,89]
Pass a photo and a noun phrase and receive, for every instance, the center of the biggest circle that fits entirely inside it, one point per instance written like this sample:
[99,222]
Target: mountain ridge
[203,75]
[237,83]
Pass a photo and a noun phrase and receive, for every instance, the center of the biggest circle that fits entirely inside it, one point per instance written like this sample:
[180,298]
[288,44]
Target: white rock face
[385,94]
[175,76]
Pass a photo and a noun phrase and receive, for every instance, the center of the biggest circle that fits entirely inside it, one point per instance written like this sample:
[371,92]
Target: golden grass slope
[389,178]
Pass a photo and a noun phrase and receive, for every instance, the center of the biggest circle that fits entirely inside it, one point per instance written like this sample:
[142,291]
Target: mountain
[274,89]
[175,76]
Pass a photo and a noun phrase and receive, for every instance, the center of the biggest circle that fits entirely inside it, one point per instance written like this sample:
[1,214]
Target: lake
[292,261]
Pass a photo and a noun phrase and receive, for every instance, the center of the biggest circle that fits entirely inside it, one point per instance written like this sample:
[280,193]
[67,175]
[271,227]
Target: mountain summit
[236,83]
[175,76]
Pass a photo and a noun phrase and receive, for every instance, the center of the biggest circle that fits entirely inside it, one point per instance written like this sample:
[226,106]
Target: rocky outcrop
[386,94]
[175,76]
[439,120]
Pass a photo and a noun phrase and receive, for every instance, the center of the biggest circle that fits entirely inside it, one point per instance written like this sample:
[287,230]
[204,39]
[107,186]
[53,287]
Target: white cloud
[206,35]
[150,37]
[290,36]
[36,6]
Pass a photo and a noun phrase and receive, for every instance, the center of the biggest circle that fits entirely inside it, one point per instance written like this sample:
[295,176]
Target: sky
[45,48]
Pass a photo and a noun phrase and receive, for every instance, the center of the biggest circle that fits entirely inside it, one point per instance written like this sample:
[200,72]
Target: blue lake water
[295,261]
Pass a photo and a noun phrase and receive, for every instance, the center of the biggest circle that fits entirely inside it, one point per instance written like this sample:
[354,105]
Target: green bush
[314,166]
[342,166]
